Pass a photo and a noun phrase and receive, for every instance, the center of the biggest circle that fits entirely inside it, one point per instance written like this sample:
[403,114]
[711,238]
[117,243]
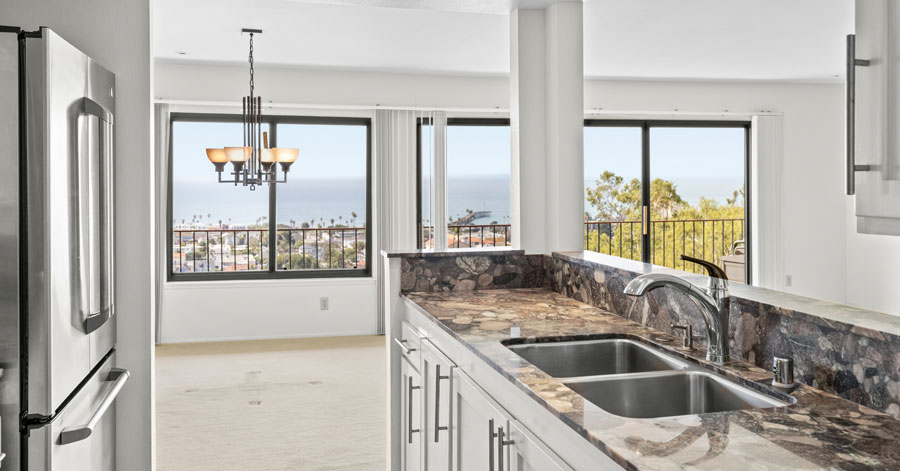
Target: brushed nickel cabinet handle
[500,444]
[400,343]
[852,64]
[409,403]
[437,402]
[491,436]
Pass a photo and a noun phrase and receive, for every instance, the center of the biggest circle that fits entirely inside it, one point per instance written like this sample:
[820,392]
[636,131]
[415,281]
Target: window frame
[272,273]
[646,125]
[451,121]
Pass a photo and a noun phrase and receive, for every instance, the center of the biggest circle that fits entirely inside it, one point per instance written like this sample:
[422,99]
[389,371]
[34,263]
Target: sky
[700,161]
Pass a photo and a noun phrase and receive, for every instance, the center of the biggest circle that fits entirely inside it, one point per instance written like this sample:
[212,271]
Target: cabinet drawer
[410,344]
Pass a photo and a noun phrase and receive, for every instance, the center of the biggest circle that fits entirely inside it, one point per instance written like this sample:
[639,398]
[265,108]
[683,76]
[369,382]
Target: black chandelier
[253,163]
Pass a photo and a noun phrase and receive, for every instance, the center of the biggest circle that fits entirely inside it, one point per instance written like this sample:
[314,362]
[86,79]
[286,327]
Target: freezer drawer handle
[76,434]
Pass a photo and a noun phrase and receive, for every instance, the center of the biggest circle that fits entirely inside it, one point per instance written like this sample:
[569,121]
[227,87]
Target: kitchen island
[818,431]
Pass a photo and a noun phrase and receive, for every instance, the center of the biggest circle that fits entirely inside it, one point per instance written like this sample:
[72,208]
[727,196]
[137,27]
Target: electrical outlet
[788,281]
[323,303]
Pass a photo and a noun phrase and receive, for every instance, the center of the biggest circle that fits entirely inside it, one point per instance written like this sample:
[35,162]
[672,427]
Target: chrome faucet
[712,301]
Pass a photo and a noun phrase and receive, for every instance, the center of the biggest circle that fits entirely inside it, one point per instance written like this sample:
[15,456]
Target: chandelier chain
[250,60]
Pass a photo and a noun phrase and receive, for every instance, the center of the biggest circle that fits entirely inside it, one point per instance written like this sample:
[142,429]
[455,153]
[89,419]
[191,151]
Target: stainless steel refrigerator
[57,256]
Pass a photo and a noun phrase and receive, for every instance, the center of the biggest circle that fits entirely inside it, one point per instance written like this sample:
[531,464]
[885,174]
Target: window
[315,225]
[478,178]
[656,190]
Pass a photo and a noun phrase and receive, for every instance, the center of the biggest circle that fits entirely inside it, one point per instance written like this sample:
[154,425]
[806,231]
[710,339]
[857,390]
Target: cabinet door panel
[877,116]
[436,377]
[411,412]
[527,453]
[476,419]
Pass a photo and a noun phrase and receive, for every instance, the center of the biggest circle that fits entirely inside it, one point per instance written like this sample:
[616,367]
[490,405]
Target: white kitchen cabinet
[873,115]
[411,415]
[527,453]
[477,419]
[436,379]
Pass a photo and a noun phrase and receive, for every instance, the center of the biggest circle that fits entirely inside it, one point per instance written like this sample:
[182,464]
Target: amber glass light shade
[267,156]
[217,156]
[238,154]
[286,154]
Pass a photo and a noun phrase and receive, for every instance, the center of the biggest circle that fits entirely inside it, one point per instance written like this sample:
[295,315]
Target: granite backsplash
[474,271]
[859,364]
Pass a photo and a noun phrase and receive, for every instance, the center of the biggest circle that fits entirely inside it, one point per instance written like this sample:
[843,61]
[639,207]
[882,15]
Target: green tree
[706,231]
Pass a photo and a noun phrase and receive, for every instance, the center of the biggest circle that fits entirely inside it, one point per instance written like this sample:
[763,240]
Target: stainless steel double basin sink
[630,379]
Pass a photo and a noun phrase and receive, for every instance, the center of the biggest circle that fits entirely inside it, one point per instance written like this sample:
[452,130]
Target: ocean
[317,200]
[320,200]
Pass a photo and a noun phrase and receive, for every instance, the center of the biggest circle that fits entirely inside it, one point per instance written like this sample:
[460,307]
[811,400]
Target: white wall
[117,35]
[218,82]
[234,310]
[814,232]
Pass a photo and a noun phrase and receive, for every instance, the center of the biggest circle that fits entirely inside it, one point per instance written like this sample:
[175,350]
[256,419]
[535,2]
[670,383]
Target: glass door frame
[646,125]
[451,121]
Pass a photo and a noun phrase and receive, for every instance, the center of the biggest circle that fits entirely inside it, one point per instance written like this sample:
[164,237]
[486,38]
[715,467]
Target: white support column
[547,128]
[565,126]
[527,124]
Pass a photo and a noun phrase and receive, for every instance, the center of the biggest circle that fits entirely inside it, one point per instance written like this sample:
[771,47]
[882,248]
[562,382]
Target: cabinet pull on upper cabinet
[437,402]
[852,64]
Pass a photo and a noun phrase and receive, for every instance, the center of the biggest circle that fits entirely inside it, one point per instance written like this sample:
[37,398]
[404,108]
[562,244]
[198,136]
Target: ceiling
[795,40]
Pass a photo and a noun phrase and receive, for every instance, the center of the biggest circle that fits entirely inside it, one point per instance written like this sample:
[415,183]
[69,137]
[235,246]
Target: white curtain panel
[395,190]
[161,156]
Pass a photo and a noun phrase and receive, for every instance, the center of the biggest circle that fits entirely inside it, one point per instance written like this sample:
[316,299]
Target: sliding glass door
[613,159]
[657,190]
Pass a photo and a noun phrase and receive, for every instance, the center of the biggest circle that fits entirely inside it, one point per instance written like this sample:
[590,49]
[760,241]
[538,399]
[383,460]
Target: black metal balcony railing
[344,248]
[242,250]
[707,239]
[478,235]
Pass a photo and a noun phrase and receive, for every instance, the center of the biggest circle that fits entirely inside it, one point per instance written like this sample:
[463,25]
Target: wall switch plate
[323,303]
[788,281]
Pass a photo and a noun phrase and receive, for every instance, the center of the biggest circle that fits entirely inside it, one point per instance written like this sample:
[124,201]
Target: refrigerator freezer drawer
[82,436]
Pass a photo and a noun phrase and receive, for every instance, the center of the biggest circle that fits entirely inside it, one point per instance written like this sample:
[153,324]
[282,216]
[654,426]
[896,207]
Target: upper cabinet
[873,116]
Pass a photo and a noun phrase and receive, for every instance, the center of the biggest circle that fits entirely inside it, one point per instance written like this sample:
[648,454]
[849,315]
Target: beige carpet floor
[272,405]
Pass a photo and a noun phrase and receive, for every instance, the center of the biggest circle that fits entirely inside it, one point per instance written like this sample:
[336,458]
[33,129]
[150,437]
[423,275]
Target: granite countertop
[819,431]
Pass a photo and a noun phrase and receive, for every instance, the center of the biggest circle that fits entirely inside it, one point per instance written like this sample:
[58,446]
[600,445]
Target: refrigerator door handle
[95,318]
[81,432]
